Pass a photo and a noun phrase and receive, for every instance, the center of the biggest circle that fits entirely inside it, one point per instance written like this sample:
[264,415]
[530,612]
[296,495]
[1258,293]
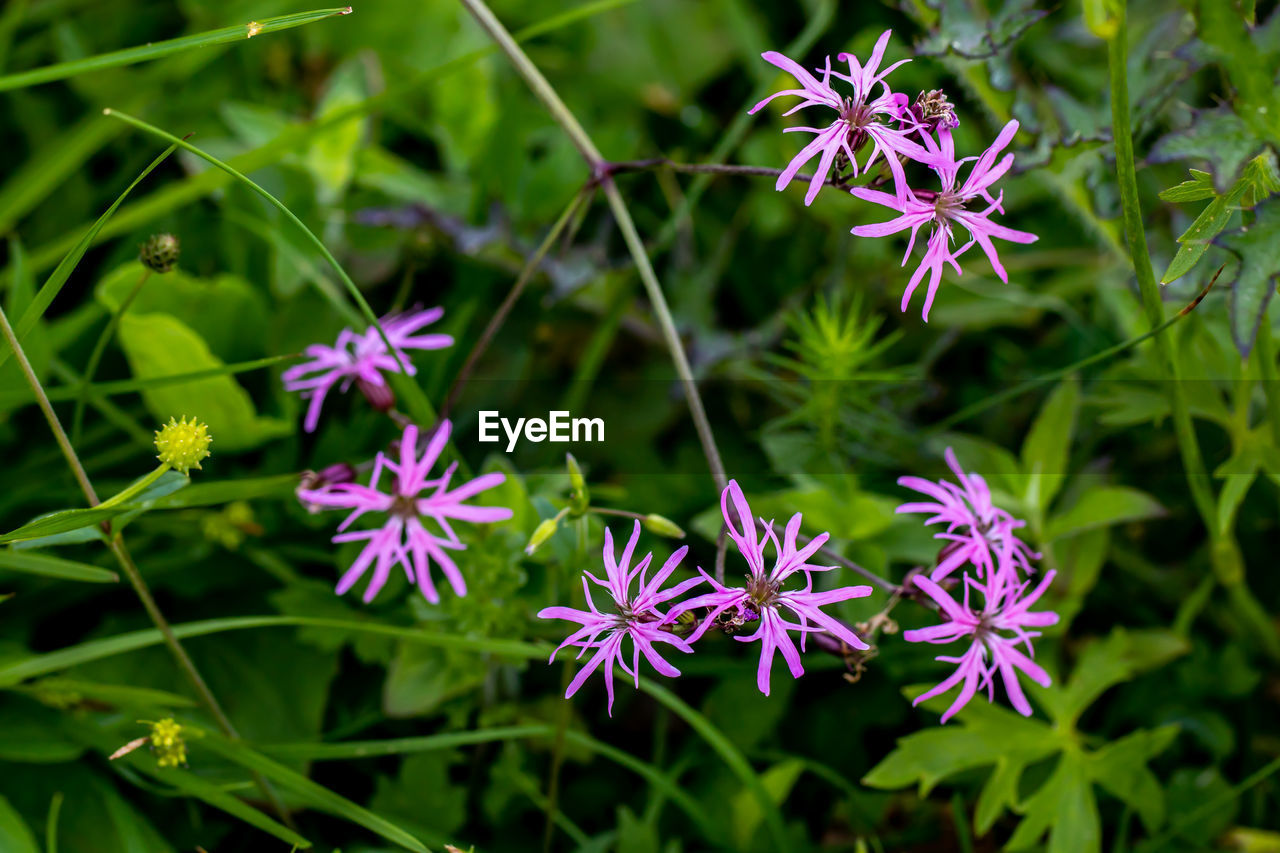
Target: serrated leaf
[1258,247]
[1102,506]
[1219,137]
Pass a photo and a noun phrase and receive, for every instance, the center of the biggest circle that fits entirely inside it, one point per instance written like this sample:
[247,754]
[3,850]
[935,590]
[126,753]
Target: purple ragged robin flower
[994,632]
[634,617]
[882,120]
[412,498]
[976,528]
[362,359]
[763,597]
[949,206]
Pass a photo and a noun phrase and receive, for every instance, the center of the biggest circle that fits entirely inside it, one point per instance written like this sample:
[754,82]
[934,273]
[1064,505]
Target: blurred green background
[408,145]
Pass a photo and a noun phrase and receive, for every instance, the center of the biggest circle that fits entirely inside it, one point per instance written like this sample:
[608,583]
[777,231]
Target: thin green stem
[1062,372]
[116,544]
[561,114]
[143,53]
[51,825]
[99,348]
[137,487]
[499,317]
[1192,462]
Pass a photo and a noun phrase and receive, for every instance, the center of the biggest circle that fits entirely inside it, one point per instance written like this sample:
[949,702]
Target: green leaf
[1102,506]
[147,52]
[1105,663]
[1120,768]
[158,345]
[1219,137]
[212,795]
[313,794]
[1258,248]
[1064,807]
[1048,444]
[226,491]
[62,522]
[1198,188]
[331,157]
[15,837]
[54,567]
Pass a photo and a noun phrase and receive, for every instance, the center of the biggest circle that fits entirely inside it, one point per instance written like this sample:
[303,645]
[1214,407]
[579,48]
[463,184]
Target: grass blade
[19,670]
[729,754]
[54,567]
[49,291]
[449,740]
[313,793]
[145,53]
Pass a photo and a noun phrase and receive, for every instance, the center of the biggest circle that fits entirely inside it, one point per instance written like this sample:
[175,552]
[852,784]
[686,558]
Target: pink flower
[635,617]
[883,120]
[764,599]
[995,631]
[947,206]
[412,498]
[362,359]
[975,526]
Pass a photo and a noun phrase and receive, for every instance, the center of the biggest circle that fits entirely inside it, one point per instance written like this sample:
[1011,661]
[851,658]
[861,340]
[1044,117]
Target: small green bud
[662,526]
[160,253]
[542,533]
[580,498]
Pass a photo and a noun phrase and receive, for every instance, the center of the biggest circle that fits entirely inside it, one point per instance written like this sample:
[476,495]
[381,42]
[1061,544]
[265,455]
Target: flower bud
[662,526]
[580,498]
[168,744]
[934,112]
[542,533]
[379,396]
[160,253]
[182,445]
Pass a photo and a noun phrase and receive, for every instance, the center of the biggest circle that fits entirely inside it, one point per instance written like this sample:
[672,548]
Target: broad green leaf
[310,792]
[160,344]
[1120,768]
[32,733]
[1107,662]
[1102,506]
[331,158]
[1065,808]
[54,567]
[226,311]
[1048,444]
[15,837]
[1258,247]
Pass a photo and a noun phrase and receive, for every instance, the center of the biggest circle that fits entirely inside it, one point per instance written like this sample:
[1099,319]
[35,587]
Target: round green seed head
[181,445]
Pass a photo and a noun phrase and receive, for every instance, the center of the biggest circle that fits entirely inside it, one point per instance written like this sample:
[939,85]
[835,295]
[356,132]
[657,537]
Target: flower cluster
[762,599]
[362,359]
[898,132]
[981,536]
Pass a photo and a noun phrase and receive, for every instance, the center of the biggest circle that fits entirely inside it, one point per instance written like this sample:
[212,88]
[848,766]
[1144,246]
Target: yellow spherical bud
[168,744]
[182,445]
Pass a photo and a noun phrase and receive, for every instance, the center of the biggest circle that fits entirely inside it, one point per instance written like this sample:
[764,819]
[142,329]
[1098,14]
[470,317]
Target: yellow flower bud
[182,445]
[167,743]
[542,533]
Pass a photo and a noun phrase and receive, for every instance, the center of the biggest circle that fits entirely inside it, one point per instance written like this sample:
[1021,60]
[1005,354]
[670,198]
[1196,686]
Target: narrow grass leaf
[54,567]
